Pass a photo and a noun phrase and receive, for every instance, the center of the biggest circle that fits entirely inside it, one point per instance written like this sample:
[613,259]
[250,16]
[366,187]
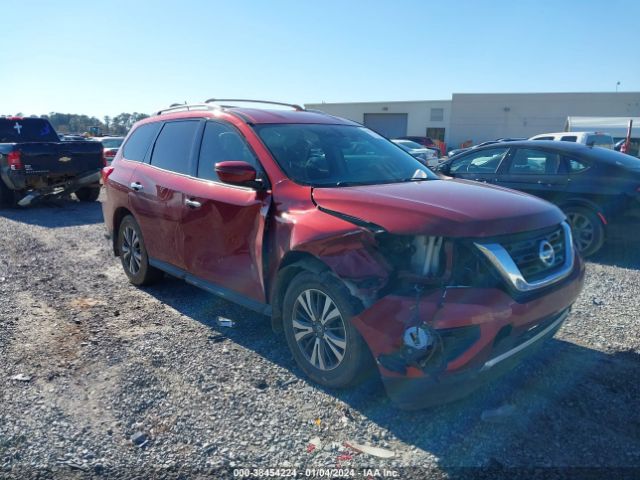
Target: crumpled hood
[452,208]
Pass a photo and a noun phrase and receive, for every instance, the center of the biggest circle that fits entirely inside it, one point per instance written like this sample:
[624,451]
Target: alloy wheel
[131,250]
[319,329]
[582,228]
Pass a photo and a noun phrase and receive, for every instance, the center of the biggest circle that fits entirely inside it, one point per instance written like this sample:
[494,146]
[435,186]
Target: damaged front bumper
[414,393]
[480,334]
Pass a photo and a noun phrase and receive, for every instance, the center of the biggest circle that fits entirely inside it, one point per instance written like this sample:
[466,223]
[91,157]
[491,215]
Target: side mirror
[236,173]
[443,168]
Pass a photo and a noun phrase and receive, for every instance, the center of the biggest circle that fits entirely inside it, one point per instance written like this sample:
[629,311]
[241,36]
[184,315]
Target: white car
[594,139]
[426,155]
[110,146]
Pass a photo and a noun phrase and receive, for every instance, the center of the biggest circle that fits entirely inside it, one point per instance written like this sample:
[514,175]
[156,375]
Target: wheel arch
[601,230]
[584,203]
[292,264]
[119,215]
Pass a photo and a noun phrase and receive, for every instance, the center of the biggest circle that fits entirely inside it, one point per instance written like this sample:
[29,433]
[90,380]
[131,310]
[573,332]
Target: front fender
[312,240]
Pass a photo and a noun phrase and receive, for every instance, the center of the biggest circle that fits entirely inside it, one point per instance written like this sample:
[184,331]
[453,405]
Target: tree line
[74,123]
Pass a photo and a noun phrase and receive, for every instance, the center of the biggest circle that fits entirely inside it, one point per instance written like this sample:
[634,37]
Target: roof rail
[218,100]
[183,107]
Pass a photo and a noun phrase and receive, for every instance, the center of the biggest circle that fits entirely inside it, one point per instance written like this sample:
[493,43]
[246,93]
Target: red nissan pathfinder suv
[357,251]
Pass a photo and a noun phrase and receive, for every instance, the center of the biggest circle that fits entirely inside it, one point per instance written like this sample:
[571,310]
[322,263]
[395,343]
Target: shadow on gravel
[618,254]
[568,406]
[57,214]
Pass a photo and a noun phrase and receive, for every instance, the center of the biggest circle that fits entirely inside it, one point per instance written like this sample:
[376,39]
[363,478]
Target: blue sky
[103,58]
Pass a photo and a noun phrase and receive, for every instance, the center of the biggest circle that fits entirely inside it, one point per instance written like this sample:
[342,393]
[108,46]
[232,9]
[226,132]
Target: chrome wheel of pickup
[131,251]
[319,329]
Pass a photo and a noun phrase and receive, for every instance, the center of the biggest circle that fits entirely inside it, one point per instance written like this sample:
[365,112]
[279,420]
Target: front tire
[133,254]
[587,228]
[88,194]
[317,312]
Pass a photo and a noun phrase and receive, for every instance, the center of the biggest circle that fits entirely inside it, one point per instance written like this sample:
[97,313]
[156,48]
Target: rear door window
[527,161]
[172,150]
[139,141]
[569,138]
[576,165]
[220,143]
[543,138]
[484,161]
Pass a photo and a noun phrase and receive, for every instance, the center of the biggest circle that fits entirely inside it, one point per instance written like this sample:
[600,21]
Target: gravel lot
[93,365]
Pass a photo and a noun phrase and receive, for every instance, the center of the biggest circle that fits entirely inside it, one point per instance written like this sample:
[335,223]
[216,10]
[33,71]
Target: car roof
[258,116]
[567,148]
[548,144]
[565,134]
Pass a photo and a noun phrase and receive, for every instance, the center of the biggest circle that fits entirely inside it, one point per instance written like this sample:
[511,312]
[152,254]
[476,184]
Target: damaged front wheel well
[292,264]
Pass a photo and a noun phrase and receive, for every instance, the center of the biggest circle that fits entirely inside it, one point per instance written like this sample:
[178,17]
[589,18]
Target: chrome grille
[523,247]
[526,253]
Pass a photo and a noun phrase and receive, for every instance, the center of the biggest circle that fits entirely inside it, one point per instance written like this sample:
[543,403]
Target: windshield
[22,130]
[339,155]
[111,142]
[599,140]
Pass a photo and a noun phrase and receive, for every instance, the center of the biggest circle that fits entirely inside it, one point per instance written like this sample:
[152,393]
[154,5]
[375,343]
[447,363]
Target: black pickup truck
[35,164]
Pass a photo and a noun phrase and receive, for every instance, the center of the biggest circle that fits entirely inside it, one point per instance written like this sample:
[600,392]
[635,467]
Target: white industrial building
[478,117]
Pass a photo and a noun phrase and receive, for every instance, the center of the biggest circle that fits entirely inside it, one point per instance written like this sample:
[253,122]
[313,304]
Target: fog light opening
[418,338]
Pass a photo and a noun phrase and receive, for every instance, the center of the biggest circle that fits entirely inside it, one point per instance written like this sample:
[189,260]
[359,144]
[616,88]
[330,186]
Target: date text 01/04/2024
[365,473]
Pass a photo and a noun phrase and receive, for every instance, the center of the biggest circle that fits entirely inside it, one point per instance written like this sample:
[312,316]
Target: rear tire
[88,194]
[587,228]
[317,312]
[7,196]
[133,254]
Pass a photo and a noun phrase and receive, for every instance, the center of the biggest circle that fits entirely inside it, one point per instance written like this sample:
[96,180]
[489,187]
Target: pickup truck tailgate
[60,159]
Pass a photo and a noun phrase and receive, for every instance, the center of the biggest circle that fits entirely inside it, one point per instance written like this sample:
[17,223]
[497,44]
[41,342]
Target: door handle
[192,203]
[137,186]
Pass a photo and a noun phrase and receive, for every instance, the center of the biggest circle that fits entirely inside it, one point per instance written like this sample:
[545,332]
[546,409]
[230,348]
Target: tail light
[108,155]
[14,161]
[106,171]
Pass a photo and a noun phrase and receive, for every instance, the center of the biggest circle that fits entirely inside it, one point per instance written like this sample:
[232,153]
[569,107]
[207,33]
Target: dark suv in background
[597,188]
[360,253]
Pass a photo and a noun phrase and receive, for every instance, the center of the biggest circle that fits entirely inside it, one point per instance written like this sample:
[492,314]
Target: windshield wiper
[346,183]
[352,184]
[414,179]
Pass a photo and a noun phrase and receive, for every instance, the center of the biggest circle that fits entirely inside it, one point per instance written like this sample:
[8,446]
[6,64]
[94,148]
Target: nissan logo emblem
[546,254]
